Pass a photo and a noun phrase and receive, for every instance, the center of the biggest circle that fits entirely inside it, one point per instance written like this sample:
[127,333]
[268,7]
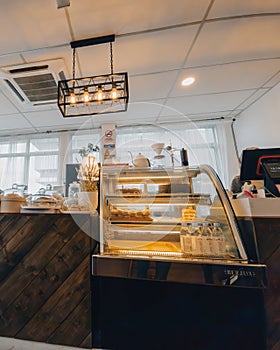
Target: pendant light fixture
[96,94]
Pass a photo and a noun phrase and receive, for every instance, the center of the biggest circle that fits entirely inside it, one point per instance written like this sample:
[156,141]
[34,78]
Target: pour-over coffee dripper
[158,147]
[158,158]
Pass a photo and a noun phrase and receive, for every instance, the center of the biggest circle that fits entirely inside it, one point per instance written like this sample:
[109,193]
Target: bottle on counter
[197,233]
[208,249]
[185,238]
[219,244]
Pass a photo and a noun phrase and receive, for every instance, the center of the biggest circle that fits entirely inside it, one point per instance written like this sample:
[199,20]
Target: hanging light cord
[74,63]
[111,54]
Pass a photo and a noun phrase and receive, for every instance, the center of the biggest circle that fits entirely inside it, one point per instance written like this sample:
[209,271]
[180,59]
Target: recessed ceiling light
[188,81]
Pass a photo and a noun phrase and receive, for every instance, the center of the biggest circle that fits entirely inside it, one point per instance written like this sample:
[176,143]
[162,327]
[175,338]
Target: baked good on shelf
[117,214]
[188,213]
[144,245]
[131,191]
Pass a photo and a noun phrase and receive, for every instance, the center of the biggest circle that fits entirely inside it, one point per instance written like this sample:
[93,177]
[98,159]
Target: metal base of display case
[193,271]
[159,315]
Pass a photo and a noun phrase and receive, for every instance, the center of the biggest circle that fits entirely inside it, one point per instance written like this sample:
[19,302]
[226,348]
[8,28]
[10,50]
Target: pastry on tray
[117,214]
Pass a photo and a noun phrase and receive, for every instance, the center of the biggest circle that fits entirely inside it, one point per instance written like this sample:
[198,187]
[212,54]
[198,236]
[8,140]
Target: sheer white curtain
[32,162]
[37,161]
[12,163]
[43,163]
[11,171]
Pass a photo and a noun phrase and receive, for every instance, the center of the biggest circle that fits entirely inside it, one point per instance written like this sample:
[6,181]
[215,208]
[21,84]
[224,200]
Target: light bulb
[99,94]
[86,95]
[188,81]
[73,98]
[114,93]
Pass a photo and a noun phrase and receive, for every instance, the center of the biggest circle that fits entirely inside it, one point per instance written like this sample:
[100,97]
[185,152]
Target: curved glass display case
[172,224]
[181,213]
[172,259]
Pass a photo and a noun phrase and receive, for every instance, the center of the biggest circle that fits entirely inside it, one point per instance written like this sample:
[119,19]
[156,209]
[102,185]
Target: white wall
[228,154]
[259,125]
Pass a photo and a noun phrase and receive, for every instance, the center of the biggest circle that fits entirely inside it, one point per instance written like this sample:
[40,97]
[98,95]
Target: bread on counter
[11,203]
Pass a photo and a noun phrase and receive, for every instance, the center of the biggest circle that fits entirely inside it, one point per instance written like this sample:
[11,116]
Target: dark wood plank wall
[45,292]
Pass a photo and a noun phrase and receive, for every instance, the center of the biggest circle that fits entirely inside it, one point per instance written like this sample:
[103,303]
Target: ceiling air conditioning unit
[33,83]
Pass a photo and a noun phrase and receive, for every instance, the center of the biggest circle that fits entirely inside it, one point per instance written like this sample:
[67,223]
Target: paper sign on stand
[108,143]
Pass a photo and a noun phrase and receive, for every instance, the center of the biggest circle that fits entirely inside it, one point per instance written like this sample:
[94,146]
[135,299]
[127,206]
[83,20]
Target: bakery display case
[180,219]
[179,213]
[172,259]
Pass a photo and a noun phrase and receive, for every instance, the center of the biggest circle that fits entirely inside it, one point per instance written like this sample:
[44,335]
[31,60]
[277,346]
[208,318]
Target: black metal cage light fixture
[96,94]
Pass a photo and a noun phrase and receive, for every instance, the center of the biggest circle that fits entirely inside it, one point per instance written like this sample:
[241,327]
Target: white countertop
[256,207]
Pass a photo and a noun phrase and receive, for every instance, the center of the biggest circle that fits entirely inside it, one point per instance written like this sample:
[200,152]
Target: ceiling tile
[64,52]
[153,57]
[146,53]
[274,80]
[253,98]
[6,107]
[103,17]
[14,122]
[137,113]
[10,60]
[31,24]
[52,118]
[205,103]
[145,87]
[223,8]
[235,40]
[235,76]
[143,110]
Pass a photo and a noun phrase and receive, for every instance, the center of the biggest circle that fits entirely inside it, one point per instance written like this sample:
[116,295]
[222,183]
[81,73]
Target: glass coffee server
[172,230]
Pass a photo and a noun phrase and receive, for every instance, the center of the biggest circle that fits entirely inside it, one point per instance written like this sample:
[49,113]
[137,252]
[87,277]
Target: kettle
[140,161]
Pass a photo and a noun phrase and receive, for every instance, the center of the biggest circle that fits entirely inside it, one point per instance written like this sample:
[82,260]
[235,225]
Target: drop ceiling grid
[237,40]
[222,8]
[31,24]
[236,76]
[260,82]
[129,16]
[166,62]
[188,52]
[14,121]
[206,103]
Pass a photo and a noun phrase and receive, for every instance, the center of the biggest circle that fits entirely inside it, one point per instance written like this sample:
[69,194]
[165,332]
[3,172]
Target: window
[200,144]
[82,140]
[32,162]
[38,161]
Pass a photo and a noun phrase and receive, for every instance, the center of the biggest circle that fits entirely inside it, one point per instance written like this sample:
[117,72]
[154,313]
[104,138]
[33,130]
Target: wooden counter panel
[74,326]
[12,233]
[45,273]
[58,307]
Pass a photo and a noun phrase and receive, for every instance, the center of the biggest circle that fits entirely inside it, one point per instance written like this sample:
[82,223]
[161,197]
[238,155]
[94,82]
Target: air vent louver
[11,86]
[41,87]
[34,83]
